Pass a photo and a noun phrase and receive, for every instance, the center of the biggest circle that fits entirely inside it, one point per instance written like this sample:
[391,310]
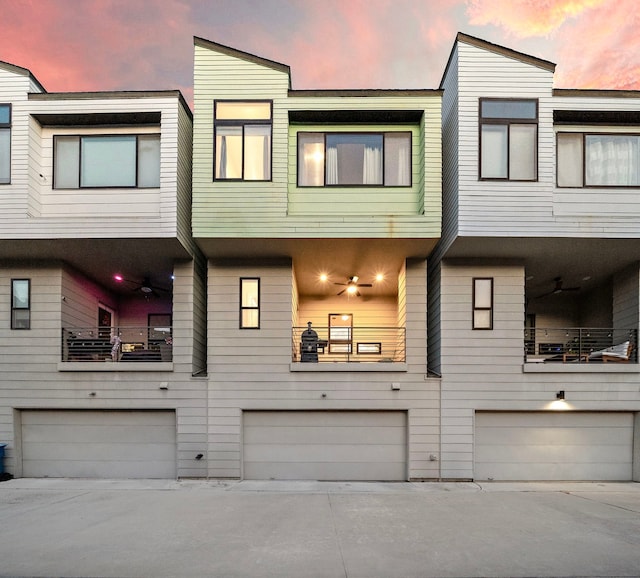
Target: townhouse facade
[534,288]
[321,284]
[102,285]
[316,211]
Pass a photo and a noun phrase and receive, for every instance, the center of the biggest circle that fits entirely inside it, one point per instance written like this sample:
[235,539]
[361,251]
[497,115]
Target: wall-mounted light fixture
[560,394]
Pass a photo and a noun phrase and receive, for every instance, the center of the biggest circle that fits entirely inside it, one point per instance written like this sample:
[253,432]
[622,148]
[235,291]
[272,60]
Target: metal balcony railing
[349,344]
[580,345]
[117,344]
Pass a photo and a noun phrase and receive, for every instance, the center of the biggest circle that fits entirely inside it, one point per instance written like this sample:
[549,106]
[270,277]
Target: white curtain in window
[613,160]
[257,153]
[229,152]
[522,149]
[397,164]
[372,166]
[569,159]
[332,166]
[149,160]
[494,152]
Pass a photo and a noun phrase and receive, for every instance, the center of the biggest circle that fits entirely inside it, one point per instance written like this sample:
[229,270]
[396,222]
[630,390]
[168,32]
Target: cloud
[528,17]
[602,51]
[73,45]
[99,44]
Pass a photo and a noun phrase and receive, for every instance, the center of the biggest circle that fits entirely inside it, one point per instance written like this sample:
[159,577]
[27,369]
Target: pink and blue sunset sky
[88,45]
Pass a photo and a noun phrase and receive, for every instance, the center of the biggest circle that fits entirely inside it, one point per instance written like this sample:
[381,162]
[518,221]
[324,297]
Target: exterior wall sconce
[560,394]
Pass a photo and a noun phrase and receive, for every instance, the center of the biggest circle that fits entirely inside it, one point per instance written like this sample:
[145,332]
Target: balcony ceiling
[101,259]
[584,263]
[340,259]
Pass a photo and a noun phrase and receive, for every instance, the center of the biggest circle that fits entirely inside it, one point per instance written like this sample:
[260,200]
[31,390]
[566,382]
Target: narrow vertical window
[482,303]
[249,303]
[5,143]
[20,304]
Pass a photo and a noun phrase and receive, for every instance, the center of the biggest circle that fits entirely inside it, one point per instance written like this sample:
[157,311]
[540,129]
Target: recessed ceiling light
[323,277]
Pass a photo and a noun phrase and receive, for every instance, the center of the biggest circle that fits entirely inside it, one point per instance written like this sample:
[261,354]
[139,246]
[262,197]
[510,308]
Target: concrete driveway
[296,529]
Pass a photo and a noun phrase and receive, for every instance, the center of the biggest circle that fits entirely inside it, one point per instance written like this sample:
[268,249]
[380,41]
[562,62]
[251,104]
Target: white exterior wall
[33,209]
[506,208]
[521,209]
[485,370]
[251,369]
[33,378]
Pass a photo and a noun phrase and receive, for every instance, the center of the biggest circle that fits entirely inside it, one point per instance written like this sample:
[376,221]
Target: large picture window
[242,140]
[5,143]
[102,161]
[598,160]
[354,159]
[20,303]
[509,139]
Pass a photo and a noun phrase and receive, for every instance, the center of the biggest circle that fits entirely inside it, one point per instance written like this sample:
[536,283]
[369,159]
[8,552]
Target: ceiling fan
[558,288]
[352,286]
[146,287]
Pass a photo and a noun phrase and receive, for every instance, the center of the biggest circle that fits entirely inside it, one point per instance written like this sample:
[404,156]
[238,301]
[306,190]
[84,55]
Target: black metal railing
[580,345]
[117,344]
[349,344]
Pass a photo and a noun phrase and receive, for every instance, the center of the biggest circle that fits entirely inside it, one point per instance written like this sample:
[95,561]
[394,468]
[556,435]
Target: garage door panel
[553,446]
[552,435]
[321,453]
[330,435]
[325,445]
[326,418]
[62,433]
[555,418]
[99,444]
[94,469]
[325,471]
[544,453]
[89,451]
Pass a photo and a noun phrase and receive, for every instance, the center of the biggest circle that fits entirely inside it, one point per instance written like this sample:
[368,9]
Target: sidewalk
[161,528]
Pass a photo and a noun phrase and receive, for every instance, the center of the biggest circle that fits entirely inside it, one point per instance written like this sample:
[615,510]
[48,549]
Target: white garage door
[308,445]
[99,444]
[554,446]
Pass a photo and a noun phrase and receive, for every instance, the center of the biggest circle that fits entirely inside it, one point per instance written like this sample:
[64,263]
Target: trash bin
[2,446]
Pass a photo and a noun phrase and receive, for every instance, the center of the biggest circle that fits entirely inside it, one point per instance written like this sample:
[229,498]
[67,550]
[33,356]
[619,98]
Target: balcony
[582,345]
[117,345]
[352,345]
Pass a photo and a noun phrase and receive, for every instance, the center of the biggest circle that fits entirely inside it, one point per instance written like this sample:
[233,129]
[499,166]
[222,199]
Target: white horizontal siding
[503,209]
[250,369]
[263,209]
[30,378]
[34,210]
[483,370]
